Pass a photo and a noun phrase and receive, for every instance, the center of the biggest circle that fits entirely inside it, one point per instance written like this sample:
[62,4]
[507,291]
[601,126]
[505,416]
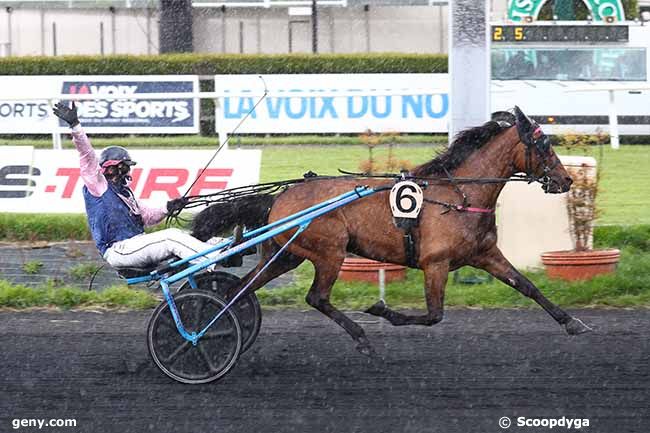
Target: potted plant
[583,262]
[356,268]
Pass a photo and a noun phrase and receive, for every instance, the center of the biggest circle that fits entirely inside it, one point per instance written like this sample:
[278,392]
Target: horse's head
[536,158]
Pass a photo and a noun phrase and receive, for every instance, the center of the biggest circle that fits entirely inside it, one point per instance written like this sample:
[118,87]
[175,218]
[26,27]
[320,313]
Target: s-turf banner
[38,181]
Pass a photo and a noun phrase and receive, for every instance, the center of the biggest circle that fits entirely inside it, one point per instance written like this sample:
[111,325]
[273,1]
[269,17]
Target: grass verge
[197,141]
[17,296]
[629,287]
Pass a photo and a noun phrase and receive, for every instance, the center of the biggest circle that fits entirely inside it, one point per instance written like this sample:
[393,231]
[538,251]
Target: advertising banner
[333,103]
[33,114]
[38,181]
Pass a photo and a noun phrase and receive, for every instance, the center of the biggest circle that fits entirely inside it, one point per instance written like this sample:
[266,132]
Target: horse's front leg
[435,280]
[496,264]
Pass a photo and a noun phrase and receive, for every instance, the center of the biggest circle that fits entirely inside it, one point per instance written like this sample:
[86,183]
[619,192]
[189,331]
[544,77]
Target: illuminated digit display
[560,33]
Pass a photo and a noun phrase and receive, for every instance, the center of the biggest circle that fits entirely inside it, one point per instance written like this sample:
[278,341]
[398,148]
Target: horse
[447,236]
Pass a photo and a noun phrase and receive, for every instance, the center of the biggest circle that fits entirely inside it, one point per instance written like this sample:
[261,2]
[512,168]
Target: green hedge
[209,64]
[43,227]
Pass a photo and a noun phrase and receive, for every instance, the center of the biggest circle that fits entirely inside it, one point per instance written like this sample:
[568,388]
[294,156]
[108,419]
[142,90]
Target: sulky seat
[162,268]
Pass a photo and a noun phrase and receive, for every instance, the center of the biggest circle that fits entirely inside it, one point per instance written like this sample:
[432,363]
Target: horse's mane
[464,144]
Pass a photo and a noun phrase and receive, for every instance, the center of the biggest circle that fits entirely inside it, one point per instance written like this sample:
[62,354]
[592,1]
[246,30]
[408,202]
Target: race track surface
[304,375]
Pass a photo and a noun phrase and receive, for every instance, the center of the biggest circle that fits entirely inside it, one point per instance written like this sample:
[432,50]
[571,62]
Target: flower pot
[361,269]
[580,265]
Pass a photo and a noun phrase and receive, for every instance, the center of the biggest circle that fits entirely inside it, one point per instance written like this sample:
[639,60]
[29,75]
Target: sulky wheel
[247,309]
[214,354]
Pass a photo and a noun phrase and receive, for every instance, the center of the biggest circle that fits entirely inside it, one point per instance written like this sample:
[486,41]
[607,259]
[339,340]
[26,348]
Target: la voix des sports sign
[33,115]
[37,181]
[333,103]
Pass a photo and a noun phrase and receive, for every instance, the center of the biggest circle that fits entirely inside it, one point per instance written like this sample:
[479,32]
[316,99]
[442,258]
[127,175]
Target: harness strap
[410,247]
[458,207]
[408,239]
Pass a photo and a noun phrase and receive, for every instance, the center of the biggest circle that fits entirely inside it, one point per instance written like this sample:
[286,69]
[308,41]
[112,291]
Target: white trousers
[152,248]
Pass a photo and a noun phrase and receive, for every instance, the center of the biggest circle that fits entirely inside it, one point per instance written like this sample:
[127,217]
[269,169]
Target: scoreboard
[560,33]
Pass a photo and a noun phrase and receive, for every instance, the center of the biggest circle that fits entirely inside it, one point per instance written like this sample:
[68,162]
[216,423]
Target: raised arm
[91,173]
[151,215]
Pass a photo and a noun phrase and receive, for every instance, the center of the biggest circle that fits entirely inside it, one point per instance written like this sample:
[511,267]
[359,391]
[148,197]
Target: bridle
[538,142]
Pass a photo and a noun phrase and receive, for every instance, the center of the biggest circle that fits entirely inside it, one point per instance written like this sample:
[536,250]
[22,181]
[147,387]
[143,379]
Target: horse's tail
[220,218]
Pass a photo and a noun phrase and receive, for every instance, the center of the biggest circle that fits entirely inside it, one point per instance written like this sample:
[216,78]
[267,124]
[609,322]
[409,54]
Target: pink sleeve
[91,173]
[151,216]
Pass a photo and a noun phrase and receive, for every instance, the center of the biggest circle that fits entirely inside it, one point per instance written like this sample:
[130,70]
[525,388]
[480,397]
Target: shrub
[32,267]
[210,64]
[84,270]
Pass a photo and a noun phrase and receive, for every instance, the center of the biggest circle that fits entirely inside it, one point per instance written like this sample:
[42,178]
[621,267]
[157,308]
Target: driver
[116,219]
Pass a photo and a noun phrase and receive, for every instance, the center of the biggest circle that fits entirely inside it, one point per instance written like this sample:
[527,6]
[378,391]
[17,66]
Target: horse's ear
[522,119]
[525,127]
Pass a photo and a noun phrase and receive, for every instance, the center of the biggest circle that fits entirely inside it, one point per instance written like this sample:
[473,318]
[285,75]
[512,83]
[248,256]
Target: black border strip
[590,120]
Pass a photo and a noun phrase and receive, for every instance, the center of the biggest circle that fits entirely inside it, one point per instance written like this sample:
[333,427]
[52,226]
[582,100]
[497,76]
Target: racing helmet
[115,155]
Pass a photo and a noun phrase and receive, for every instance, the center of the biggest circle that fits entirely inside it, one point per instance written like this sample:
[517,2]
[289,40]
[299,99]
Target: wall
[78,31]
[409,29]
[531,222]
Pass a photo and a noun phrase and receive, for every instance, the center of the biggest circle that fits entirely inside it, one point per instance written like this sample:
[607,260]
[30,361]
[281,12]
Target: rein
[270,188]
[227,195]
[455,181]
[459,208]
[443,180]
[243,119]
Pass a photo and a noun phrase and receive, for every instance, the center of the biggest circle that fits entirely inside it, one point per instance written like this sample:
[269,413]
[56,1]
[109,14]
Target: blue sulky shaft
[298,220]
[271,230]
[154,275]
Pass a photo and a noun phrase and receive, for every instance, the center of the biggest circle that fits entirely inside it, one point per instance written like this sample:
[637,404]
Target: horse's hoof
[365,348]
[377,309]
[576,327]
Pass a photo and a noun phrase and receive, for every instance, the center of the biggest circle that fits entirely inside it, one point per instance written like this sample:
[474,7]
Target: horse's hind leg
[435,280]
[319,297]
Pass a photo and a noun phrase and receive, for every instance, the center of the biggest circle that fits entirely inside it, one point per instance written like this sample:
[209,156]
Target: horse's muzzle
[553,186]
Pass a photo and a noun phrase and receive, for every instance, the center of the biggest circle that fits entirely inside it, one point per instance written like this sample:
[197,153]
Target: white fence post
[613,120]
[382,284]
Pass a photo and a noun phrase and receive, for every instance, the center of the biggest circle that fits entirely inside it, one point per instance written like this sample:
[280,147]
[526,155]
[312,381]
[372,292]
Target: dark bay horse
[444,241]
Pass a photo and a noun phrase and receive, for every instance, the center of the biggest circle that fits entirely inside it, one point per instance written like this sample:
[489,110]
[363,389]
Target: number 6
[406,199]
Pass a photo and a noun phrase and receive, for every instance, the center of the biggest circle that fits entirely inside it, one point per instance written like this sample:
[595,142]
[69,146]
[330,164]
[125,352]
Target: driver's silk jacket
[113,212]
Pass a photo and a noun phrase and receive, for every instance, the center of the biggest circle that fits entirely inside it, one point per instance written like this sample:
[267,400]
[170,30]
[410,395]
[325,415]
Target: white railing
[223,134]
[267,3]
[611,89]
[5,49]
